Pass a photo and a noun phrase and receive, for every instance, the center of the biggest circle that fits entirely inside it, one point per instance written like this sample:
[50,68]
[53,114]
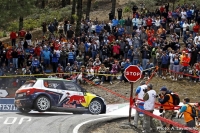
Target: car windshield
[28,84]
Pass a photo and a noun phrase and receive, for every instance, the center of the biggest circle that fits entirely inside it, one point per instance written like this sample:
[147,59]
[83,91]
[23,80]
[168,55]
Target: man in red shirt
[185,63]
[196,29]
[149,22]
[13,37]
[22,34]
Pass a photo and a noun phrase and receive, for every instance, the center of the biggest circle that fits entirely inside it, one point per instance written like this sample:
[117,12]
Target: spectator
[186,109]
[107,77]
[13,37]
[28,37]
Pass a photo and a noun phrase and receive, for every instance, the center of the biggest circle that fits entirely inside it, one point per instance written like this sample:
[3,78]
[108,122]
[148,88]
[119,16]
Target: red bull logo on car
[74,100]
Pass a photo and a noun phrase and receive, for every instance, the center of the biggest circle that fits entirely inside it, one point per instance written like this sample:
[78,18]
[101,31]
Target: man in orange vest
[186,109]
[165,98]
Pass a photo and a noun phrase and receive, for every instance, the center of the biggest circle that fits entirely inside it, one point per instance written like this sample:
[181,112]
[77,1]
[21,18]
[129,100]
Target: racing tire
[96,106]
[42,104]
[24,110]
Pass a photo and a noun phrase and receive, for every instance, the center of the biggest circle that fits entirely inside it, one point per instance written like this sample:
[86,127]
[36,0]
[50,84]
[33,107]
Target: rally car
[47,94]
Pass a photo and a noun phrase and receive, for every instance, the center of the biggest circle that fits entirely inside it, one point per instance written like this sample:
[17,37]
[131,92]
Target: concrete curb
[87,128]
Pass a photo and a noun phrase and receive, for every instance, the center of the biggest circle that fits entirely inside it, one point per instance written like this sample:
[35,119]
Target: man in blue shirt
[186,109]
[115,22]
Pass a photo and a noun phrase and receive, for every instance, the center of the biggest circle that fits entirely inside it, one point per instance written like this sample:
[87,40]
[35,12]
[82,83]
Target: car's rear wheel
[96,106]
[24,110]
[42,104]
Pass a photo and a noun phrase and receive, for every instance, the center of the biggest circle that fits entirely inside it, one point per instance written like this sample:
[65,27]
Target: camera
[145,90]
[159,95]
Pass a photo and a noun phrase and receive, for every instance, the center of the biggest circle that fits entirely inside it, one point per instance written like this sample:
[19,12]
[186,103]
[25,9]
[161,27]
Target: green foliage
[75,17]
[149,4]
[35,20]
[96,5]
[127,9]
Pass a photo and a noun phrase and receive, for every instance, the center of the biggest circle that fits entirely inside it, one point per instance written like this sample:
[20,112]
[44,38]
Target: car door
[72,96]
[52,87]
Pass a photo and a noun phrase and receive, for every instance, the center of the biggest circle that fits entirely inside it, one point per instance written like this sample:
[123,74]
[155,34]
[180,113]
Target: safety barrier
[178,125]
[49,74]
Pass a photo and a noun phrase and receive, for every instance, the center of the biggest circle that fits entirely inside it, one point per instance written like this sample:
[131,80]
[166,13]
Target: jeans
[108,79]
[94,53]
[128,28]
[15,62]
[136,117]
[103,57]
[63,63]
[135,61]
[125,55]
[144,62]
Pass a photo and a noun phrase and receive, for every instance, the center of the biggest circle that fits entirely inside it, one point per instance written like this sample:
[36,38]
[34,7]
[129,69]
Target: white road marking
[75,130]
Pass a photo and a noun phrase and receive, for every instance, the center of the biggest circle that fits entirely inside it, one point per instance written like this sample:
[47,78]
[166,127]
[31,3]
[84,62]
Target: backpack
[193,114]
[176,99]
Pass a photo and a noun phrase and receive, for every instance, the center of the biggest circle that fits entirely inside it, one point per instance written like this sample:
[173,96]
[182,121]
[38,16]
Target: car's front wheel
[96,106]
[24,110]
[42,104]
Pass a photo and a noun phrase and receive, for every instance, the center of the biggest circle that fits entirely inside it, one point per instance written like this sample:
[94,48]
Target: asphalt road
[42,122]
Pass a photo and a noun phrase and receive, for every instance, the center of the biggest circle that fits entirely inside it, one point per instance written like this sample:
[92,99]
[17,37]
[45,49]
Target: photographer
[166,100]
[139,96]
[149,104]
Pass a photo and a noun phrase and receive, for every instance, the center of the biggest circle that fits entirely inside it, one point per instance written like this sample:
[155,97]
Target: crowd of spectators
[146,39]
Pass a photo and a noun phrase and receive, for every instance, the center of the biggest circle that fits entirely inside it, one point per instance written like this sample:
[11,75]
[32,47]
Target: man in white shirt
[171,66]
[139,95]
[149,104]
[185,26]
[196,38]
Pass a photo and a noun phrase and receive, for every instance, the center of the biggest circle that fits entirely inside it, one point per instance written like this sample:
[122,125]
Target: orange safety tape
[180,73]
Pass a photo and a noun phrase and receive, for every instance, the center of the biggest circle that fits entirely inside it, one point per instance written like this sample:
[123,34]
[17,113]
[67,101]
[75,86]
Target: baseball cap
[163,89]
[150,86]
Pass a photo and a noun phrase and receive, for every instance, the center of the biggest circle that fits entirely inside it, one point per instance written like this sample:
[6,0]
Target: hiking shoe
[101,83]
[111,83]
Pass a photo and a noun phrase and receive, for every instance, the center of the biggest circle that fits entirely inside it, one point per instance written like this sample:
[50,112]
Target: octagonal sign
[132,73]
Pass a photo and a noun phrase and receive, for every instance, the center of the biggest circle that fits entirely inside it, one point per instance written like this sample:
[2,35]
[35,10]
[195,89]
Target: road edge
[88,126]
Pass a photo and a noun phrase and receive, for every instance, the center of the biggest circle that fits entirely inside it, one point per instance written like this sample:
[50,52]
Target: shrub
[127,9]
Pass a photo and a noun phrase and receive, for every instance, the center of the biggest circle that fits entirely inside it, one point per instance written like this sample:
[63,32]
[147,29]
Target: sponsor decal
[3,93]
[7,105]
[73,101]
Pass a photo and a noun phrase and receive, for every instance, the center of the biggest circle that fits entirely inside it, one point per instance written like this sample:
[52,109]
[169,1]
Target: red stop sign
[132,73]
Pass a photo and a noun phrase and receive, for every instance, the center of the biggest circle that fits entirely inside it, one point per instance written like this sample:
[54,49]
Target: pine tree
[89,2]
[79,15]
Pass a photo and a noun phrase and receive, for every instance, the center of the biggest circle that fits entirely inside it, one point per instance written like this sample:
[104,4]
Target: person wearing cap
[149,105]
[186,109]
[140,104]
[166,100]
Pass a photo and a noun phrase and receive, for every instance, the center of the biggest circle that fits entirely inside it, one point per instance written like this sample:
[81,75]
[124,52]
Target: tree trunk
[43,4]
[21,22]
[113,7]
[79,15]
[73,11]
[68,2]
[88,8]
[63,3]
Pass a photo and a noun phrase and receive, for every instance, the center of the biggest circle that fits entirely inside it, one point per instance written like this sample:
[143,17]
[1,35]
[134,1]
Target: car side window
[53,84]
[71,87]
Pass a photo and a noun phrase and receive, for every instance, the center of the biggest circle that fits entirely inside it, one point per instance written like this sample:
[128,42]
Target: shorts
[164,66]
[168,114]
[176,68]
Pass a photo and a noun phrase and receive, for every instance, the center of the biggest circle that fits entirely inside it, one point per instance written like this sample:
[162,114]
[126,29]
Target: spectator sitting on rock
[107,76]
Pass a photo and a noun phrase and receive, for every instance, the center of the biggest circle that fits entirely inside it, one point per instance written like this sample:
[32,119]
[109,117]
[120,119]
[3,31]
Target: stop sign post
[132,73]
